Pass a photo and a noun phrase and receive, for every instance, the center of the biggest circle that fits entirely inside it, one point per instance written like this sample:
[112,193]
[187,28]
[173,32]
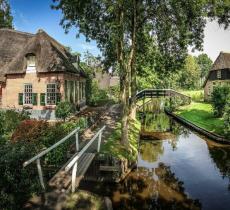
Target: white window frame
[55,95]
[30,63]
[28,93]
[218,74]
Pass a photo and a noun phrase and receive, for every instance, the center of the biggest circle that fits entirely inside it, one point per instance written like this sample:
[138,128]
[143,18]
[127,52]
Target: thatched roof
[222,62]
[51,56]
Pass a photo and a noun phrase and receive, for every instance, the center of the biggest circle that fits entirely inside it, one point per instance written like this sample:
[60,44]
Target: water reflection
[156,188]
[201,165]
[176,169]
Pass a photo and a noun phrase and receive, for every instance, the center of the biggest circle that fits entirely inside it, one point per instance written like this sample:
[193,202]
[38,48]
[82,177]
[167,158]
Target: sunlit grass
[196,95]
[201,114]
[114,147]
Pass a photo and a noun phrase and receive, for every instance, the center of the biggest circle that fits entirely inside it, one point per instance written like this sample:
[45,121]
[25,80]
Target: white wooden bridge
[156,93]
[71,173]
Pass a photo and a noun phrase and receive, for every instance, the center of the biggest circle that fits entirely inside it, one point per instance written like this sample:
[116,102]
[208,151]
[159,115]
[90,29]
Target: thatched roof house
[25,57]
[219,74]
[51,56]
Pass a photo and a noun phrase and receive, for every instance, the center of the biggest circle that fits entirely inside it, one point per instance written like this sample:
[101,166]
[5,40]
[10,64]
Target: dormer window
[31,63]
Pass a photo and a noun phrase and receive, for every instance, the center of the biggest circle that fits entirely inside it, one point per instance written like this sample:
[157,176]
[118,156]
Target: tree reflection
[221,157]
[157,188]
[150,151]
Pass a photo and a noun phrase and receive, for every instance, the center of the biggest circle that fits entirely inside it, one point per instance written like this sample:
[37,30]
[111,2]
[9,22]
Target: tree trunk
[132,63]
[123,77]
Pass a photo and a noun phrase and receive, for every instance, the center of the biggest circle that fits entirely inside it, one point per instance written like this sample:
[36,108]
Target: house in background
[218,75]
[106,80]
[37,72]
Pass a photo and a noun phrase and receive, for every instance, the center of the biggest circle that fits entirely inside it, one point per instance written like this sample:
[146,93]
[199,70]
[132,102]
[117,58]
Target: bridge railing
[153,93]
[41,154]
[74,162]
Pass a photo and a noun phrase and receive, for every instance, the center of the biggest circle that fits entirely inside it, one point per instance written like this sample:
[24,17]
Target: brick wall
[209,87]
[15,85]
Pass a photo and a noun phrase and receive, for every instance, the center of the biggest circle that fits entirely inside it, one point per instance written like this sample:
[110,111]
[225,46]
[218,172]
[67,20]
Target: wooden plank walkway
[62,179]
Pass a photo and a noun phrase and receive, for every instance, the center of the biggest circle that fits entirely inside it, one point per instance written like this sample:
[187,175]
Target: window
[31,60]
[219,74]
[51,94]
[28,94]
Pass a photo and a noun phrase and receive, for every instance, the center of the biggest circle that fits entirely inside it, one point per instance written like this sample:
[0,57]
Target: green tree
[117,26]
[190,74]
[220,96]
[6,19]
[205,64]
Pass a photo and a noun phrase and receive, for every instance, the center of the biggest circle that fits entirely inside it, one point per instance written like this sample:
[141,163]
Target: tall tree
[190,74]
[6,19]
[116,25]
[205,64]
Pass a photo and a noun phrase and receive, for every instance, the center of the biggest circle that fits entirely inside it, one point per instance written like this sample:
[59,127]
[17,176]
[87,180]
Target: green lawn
[196,95]
[201,114]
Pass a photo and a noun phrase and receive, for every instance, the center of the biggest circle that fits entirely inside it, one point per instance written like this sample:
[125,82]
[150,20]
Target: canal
[176,169]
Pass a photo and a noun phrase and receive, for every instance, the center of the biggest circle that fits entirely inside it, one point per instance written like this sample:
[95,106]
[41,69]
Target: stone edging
[200,130]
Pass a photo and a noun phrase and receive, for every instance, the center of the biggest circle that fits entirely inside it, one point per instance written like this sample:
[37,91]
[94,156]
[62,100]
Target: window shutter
[42,99]
[20,98]
[58,98]
[34,99]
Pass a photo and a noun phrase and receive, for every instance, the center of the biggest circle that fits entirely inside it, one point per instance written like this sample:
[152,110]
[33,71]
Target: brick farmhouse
[218,75]
[37,72]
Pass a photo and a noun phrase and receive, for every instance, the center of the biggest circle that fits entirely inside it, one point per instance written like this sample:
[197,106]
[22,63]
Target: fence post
[74,173]
[40,173]
[77,141]
[99,142]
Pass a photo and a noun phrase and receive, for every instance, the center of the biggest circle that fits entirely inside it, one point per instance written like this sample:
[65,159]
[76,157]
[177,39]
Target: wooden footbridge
[156,93]
[70,175]
[173,96]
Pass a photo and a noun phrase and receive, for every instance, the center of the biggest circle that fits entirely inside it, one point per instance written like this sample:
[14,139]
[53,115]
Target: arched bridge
[156,93]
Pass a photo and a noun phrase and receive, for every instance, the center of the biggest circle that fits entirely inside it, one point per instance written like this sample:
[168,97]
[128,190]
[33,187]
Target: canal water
[176,169]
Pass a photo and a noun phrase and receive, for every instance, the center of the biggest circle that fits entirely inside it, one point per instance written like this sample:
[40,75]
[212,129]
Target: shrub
[63,110]
[98,96]
[227,119]
[220,96]
[10,119]
[17,184]
[173,103]
[30,131]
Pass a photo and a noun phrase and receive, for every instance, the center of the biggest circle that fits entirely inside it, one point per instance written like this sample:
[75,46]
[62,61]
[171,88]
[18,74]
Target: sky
[31,15]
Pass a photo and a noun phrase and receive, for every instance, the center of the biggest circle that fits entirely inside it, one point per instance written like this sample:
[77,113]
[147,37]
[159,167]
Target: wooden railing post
[99,142]
[40,174]
[74,173]
[77,141]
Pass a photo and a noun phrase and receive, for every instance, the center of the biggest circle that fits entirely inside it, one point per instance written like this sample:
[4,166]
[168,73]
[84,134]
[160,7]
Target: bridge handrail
[164,90]
[75,159]
[26,163]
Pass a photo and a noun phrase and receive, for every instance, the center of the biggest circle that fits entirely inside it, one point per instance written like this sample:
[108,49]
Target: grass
[201,114]
[114,147]
[196,95]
